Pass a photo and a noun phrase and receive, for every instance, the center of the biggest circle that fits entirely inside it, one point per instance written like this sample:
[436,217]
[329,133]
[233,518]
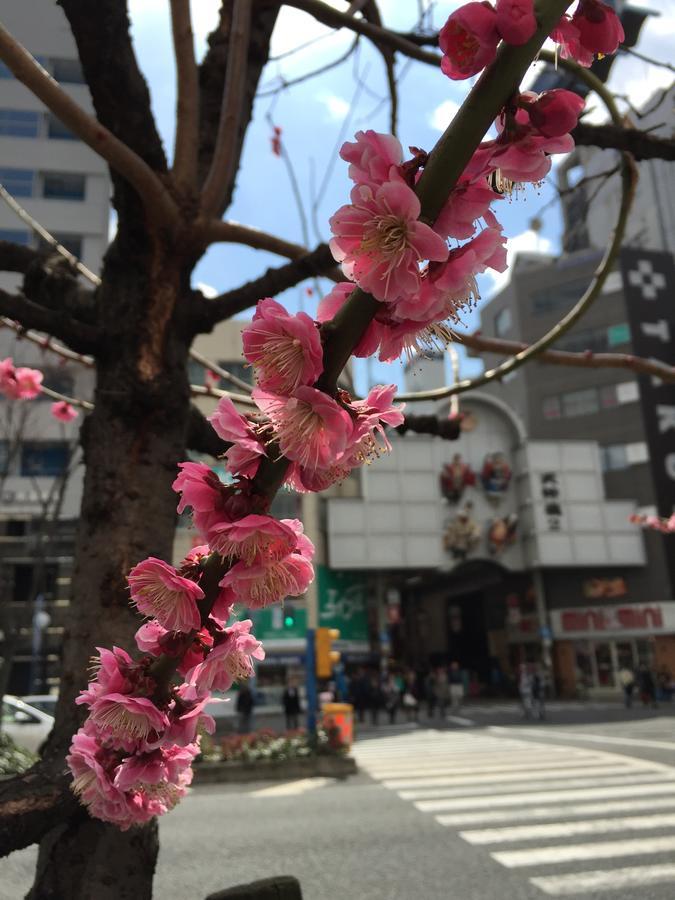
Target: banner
[649,288]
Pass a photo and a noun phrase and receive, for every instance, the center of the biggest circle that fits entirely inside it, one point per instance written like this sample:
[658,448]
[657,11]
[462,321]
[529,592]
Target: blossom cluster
[655,523]
[470,37]
[22,383]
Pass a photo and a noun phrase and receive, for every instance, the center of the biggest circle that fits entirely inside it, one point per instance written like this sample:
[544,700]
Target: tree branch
[186,151]
[201,438]
[156,199]
[641,144]
[80,336]
[234,233]
[33,803]
[319,262]
[447,429]
[17,257]
[225,157]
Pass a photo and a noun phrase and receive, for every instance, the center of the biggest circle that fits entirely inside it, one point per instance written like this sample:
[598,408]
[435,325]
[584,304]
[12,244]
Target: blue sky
[318,114]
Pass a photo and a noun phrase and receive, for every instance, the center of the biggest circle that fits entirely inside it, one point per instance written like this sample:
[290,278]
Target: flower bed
[13,760]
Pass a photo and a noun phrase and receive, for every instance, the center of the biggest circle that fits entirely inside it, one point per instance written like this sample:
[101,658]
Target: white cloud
[441,117]
[207,290]
[336,107]
[526,242]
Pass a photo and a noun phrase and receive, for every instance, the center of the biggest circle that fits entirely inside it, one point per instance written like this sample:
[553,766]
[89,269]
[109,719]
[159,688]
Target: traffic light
[326,657]
[289,616]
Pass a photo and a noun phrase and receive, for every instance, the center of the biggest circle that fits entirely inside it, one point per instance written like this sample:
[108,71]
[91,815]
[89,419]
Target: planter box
[274,769]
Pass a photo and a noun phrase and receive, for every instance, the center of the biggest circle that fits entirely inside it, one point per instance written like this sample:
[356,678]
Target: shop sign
[343,603]
[550,494]
[649,282]
[613,621]
[597,588]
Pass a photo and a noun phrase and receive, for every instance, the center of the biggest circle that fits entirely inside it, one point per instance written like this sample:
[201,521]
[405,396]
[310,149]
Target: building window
[19,182]
[4,457]
[63,186]
[558,297]
[503,322]
[59,380]
[16,236]
[239,369]
[57,130]
[44,458]
[195,372]
[19,123]
[551,408]
[628,392]
[580,403]
[72,243]
[67,71]
[614,457]
[5,71]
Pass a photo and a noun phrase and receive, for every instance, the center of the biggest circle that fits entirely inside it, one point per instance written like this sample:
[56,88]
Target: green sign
[280,622]
[618,334]
[343,603]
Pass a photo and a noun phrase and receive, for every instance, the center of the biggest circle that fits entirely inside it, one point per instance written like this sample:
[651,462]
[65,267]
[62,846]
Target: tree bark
[132,442]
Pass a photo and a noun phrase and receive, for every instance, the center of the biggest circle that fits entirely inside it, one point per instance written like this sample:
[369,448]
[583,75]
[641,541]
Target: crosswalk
[577,821]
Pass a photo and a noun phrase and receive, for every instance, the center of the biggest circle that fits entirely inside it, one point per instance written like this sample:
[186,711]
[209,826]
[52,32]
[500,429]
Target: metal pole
[310,681]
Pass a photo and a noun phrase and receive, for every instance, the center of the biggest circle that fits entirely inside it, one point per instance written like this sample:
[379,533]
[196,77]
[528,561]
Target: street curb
[274,769]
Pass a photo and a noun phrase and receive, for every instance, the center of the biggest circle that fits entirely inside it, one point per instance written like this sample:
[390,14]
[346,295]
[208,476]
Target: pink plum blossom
[263,583]
[64,411]
[599,27]
[333,302]
[92,781]
[114,672]
[285,350]
[19,383]
[148,637]
[210,499]
[515,20]
[243,458]
[372,414]
[371,157]
[229,661]
[467,203]
[166,765]
[187,718]
[127,722]
[380,241]
[252,536]
[468,40]
[556,112]
[311,427]
[158,590]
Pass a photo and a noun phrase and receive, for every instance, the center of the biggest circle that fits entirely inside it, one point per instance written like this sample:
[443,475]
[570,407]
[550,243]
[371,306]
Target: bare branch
[448,429]
[156,198]
[640,144]
[317,263]
[222,373]
[46,342]
[186,150]
[648,59]
[225,157]
[336,19]
[81,336]
[16,257]
[320,70]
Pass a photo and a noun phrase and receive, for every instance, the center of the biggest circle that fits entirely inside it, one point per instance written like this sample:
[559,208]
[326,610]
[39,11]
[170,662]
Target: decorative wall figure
[462,534]
[502,533]
[456,475]
[495,476]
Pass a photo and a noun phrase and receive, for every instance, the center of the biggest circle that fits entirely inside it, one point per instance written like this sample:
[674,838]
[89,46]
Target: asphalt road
[486,808]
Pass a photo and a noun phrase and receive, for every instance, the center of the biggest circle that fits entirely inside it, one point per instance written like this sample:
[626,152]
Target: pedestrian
[525,690]
[375,698]
[456,683]
[646,686]
[245,704]
[410,699]
[359,691]
[627,682]
[538,695]
[291,703]
[664,683]
[391,692]
[442,689]
[430,693]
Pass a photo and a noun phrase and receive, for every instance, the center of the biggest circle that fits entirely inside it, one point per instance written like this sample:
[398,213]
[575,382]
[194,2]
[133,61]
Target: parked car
[44,702]
[25,724]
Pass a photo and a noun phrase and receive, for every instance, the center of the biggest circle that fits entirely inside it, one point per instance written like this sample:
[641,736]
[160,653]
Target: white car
[27,726]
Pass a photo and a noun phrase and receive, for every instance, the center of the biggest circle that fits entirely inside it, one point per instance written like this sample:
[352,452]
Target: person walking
[245,704]
[456,684]
[430,694]
[410,698]
[391,692]
[538,695]
[442,689]
[525,690]
[290,701]
[359,691]
[627,682]
[646,686]
[375,698]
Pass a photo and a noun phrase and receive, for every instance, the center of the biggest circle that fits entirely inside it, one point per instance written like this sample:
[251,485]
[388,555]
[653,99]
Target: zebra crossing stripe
[537,797]
[540,856]
[543,765]
[605,880]
[505,777]
[566,829]
[460,820]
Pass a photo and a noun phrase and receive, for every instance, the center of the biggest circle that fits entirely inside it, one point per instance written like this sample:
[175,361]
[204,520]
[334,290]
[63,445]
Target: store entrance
[599,662]
[467,636]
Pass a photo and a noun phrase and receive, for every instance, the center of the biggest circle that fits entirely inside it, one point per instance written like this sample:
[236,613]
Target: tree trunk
[132,442]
